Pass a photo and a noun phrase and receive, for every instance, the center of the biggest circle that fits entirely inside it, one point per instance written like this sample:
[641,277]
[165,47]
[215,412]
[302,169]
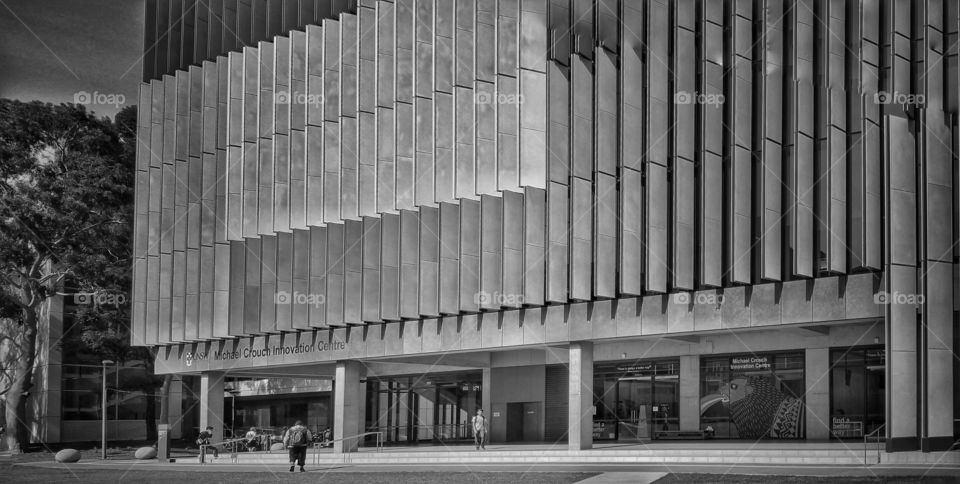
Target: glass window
[269,414]
[714,379]
[857,393]
[435,407]
[753,396]
[635,399]
[82,391]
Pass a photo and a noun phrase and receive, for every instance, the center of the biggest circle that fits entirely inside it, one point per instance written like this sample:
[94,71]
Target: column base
[902,444]
[936,444]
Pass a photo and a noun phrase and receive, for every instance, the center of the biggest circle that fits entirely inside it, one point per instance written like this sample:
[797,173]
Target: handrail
[224,443]
[449,431]
[867,436]
[317,445]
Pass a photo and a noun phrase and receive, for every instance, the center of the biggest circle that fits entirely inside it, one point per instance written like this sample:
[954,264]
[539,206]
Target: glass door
[448,406]
[666,394]
[394,404]
[634,408]
[857,392]
[605,401]
[875,382]
[875,390]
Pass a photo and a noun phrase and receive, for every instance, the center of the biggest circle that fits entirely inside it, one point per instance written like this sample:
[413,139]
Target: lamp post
[233,410]
[103,413]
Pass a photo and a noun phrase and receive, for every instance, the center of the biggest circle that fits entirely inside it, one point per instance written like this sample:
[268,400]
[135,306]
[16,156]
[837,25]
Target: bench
[679,435]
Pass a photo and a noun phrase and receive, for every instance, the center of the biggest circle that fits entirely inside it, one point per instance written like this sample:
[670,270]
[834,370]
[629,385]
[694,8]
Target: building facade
[596,220]
[66,403]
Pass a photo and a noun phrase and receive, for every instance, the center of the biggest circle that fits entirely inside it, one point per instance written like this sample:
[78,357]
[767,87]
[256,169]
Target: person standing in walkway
[296,439]
[480,427]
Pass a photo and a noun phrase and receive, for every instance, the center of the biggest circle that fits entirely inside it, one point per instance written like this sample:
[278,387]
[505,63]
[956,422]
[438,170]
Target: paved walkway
[415,459]
[651,445]
[624,478]
[613,471]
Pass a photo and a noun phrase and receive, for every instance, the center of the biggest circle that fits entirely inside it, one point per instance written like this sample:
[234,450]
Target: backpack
[298,437]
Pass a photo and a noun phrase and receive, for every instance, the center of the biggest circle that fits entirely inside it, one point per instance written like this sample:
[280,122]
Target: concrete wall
[763,306]
[515,384]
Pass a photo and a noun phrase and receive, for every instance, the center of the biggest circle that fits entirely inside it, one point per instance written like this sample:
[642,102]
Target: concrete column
[901,338]
[486,394]
[211,403]
[938,392]
[817,396]
[174,414]
[347,406]
[938,244]
[580,417]
[900,227]
[689,410]
[486,401]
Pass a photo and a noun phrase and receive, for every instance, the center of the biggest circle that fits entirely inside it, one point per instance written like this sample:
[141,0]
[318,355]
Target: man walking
[296,439]
[480,427]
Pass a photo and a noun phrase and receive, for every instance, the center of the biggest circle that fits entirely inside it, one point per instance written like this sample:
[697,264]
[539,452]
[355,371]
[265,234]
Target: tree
[66,205]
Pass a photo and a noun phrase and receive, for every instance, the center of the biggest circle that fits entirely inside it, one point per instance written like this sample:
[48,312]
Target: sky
[72,50]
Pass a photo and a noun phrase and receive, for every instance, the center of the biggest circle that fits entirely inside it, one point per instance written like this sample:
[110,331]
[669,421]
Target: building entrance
[636,400]
[523,421]
[423,409]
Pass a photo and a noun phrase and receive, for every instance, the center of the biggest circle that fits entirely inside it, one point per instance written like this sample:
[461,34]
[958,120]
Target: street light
[233,410]
[103,413]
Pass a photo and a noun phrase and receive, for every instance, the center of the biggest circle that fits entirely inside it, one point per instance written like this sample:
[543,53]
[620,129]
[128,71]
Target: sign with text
[252,353]
[636,368]
[845,427]
[747,363]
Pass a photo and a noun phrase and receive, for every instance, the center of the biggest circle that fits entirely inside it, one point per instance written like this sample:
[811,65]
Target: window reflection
[82,392]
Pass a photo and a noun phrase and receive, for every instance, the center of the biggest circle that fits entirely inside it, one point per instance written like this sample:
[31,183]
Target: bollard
[163,443]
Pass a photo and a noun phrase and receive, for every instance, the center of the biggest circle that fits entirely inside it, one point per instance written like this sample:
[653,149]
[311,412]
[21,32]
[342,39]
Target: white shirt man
[480,427]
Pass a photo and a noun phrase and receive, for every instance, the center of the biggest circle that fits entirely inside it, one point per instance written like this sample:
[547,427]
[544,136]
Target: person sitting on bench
[251,439]
[203,440]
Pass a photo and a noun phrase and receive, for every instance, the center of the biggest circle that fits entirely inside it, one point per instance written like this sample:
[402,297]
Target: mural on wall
[757,407]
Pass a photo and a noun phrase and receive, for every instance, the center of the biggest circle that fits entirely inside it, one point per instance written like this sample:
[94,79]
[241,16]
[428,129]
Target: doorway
[423,409]
[634,408]
[523,422]
[636,400]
